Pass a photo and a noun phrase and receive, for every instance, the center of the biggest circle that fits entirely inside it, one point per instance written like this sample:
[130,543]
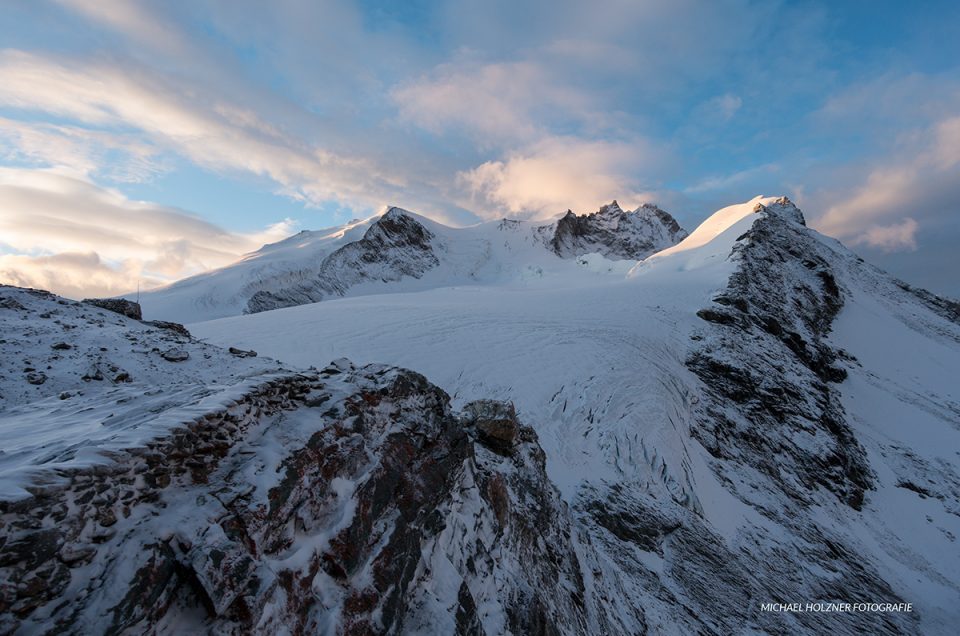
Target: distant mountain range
[402,251]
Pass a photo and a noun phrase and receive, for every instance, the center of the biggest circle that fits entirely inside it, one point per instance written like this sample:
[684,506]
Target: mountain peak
[611,208]
[783,207]
[615,233]
[394,212]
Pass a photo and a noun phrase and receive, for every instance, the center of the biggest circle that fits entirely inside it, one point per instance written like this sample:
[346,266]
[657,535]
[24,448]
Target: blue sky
[145,141]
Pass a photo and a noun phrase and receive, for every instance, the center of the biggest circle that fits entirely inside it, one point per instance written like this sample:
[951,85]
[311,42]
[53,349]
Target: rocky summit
[614,233]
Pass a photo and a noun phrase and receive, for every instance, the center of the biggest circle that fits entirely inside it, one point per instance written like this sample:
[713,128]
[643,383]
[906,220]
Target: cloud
[494,103]
[133,20]
[187,120]
[890,238]
[73,274]
[726,105]
[116,156]
[911,184]
[559,173]
[68,230]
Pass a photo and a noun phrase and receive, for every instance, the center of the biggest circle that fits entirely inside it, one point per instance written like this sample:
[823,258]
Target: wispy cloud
[67,230]
[186,120]
[114,155]
[730,181]
[496,104]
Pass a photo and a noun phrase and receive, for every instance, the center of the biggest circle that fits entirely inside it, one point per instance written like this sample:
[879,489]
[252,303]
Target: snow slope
[78,382]
[225,291]
[609,374]
[402,251]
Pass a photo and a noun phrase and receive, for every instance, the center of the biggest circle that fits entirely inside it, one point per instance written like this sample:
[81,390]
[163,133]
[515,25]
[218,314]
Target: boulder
[175,355]
[36,377]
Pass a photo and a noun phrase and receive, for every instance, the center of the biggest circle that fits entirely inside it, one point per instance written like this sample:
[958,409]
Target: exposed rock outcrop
[120,306]
[175,327]
[273,515]
[614,233]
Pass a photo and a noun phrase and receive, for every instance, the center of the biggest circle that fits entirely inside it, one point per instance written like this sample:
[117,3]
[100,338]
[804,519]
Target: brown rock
[496,423]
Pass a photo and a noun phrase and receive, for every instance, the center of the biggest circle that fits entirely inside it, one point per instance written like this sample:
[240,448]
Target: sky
[142,142]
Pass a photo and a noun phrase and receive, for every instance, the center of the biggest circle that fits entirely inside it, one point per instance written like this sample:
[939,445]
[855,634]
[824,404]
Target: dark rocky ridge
[614,233]
[769,360]
[120,306]
[390,485]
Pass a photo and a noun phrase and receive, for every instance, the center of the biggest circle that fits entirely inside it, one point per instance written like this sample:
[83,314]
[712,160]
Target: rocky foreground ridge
[340,501]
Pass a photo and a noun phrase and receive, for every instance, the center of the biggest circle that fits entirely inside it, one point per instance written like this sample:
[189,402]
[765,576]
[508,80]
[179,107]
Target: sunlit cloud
[906,186]
[890,238]
[184,119]
[559,174]
[67,230]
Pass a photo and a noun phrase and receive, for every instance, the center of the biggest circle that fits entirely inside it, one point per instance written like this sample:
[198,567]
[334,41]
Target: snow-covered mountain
[752,417]
[402,251]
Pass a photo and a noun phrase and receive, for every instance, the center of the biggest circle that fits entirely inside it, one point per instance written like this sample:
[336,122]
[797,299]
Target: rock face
[120,306]
[769,360]
[271,515]
[395,246]
[496,423]
[614,233]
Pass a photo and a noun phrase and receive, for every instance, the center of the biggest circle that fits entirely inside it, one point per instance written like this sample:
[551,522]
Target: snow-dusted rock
[614,233]
[373,511]
[394,247]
